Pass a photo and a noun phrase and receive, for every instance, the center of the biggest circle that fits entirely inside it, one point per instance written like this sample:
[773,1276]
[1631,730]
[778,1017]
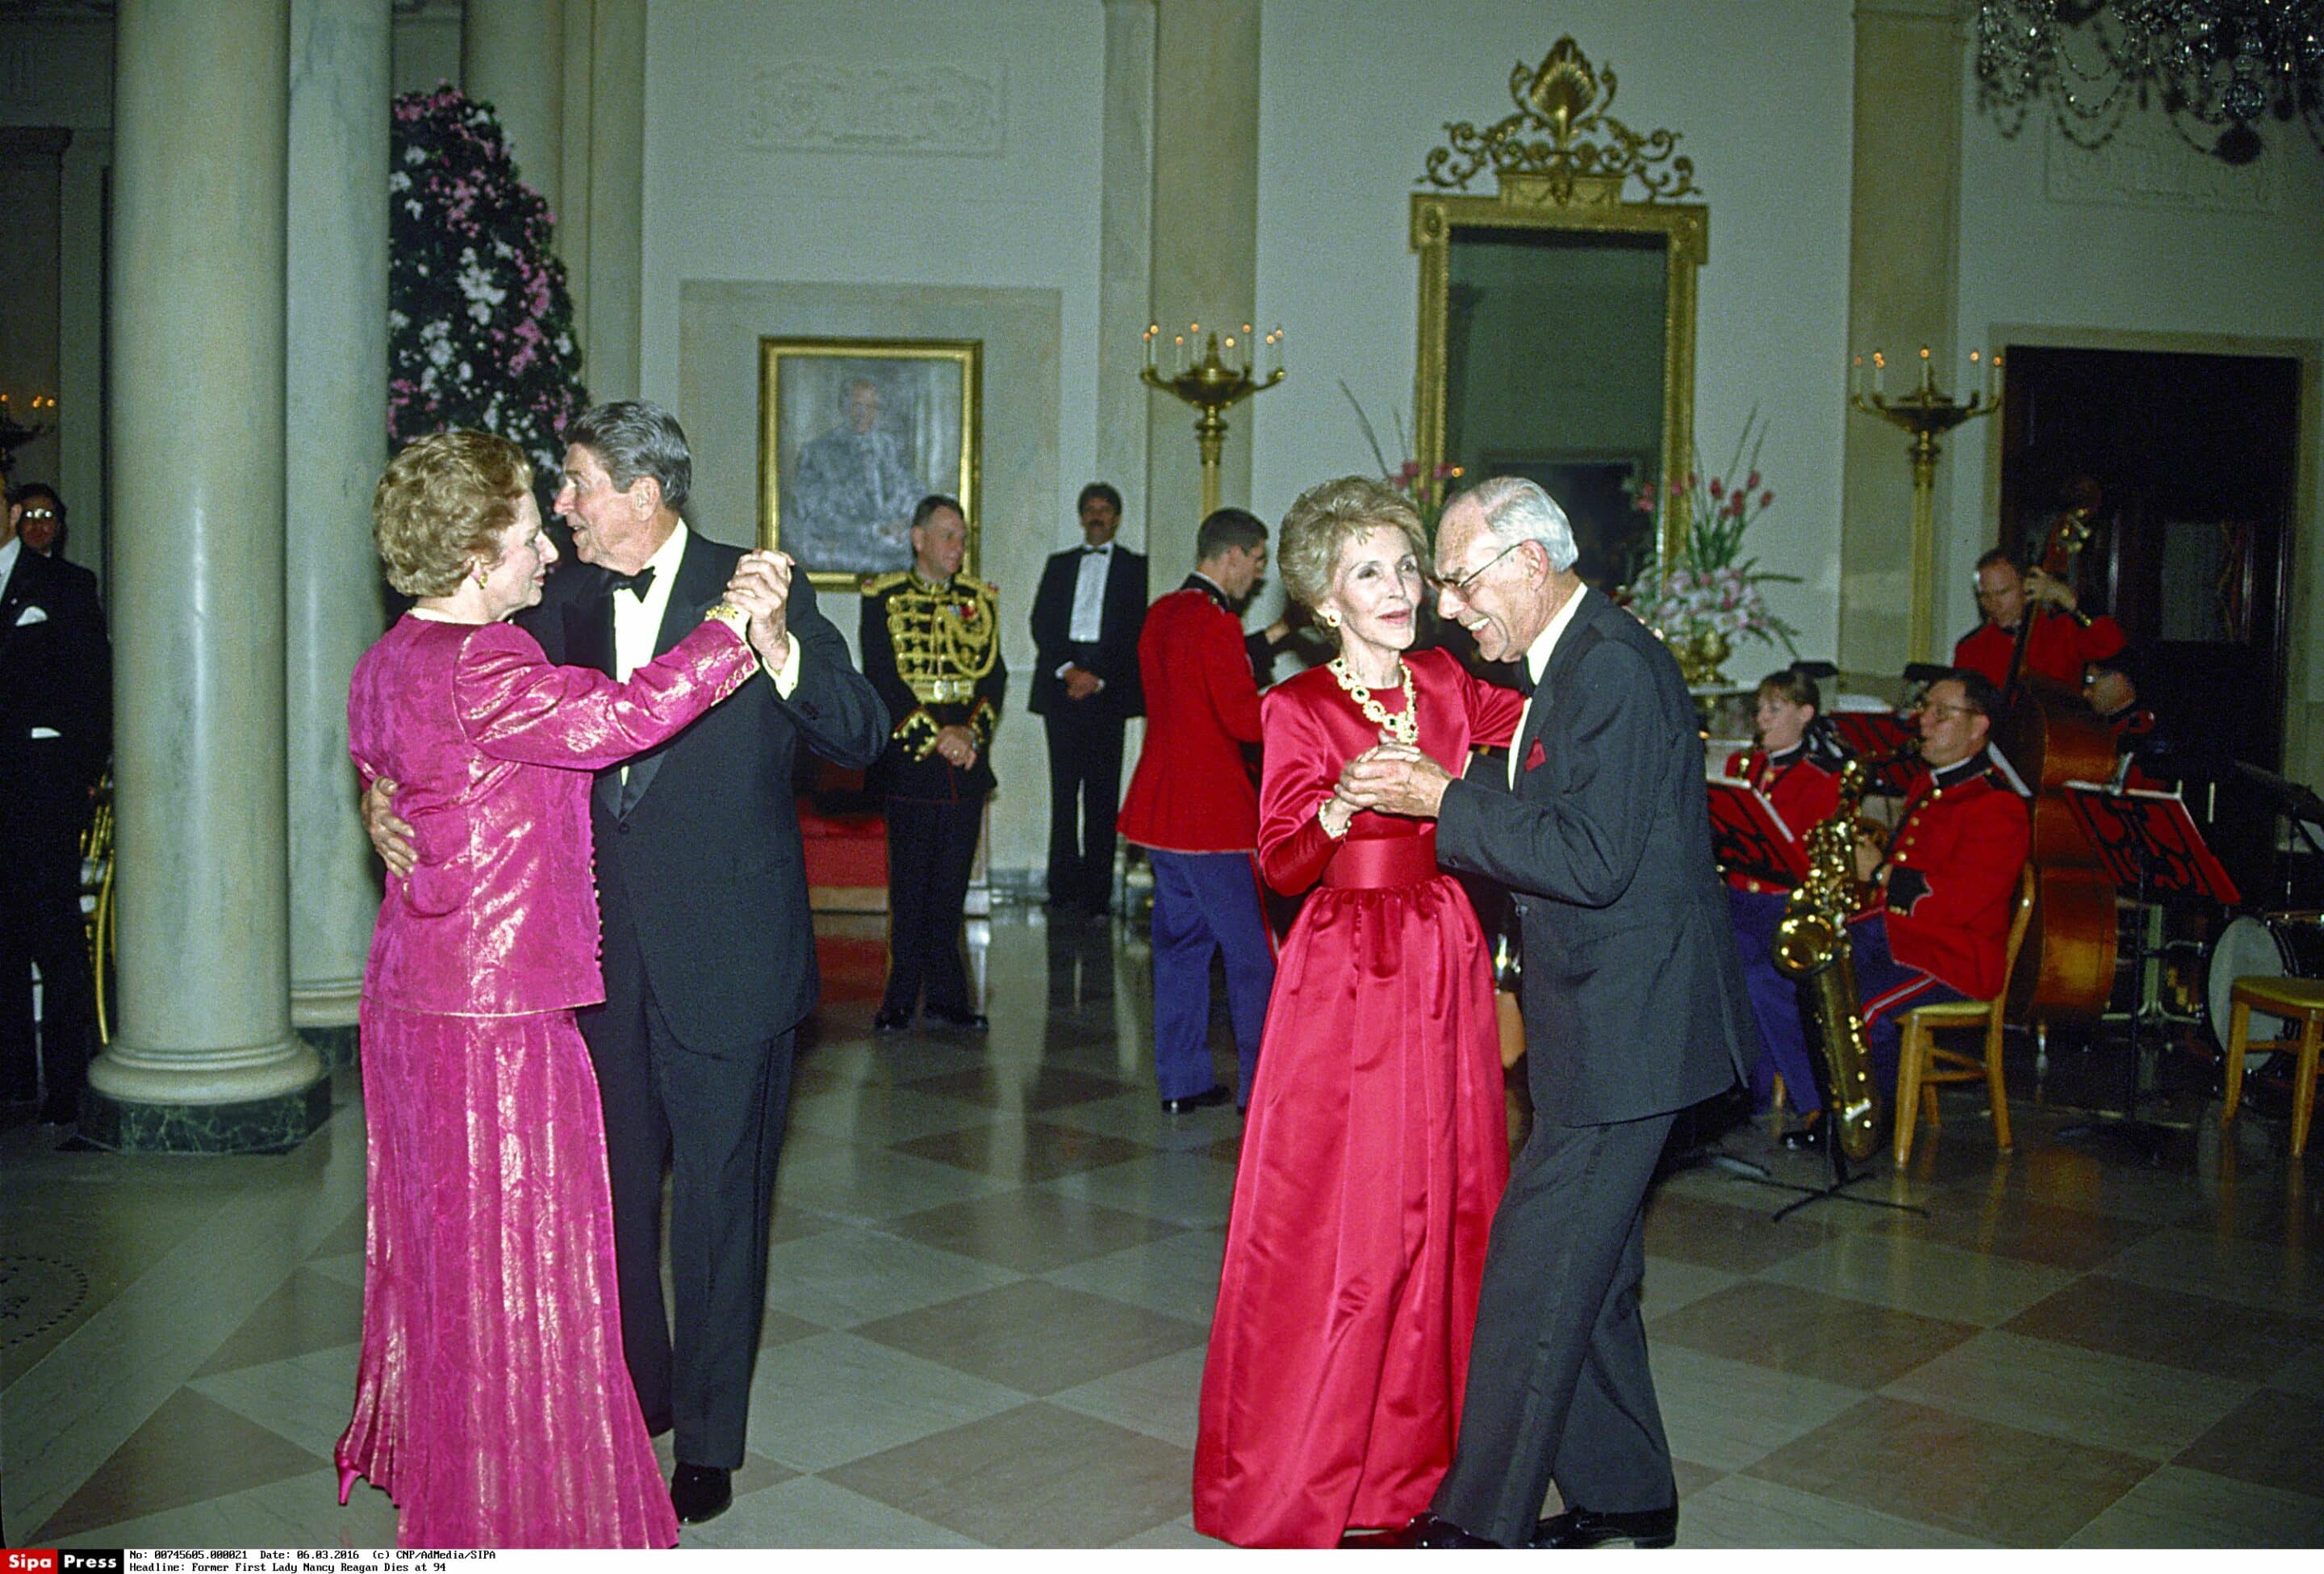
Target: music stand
[2145,839]
[1874,735]
[1747,837]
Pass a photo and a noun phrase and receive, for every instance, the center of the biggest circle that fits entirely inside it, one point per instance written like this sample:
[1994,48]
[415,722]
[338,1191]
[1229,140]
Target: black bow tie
[636,584]
[1098,551]
[1525,683]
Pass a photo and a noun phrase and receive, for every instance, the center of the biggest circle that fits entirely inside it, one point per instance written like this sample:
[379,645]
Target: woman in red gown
[1377,1146]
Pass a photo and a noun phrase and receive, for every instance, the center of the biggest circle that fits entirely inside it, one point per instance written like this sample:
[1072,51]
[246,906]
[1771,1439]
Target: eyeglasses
[1930,708]
[39,513]
[1460,587]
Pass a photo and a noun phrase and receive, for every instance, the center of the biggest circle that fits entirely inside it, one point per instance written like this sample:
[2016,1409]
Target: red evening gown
[1376,1150]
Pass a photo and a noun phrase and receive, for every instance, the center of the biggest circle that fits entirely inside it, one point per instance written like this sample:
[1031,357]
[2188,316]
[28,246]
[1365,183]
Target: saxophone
[1812,950]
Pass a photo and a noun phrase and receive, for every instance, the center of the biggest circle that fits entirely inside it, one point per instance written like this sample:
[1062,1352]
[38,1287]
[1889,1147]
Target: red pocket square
[1534,758]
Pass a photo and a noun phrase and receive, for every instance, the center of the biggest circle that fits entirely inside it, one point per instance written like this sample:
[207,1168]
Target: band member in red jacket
[1943,884]
[2064,637]
[1193,806]
[1798,773]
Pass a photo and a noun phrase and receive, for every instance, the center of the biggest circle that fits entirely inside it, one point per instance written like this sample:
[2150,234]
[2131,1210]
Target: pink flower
[1645,504]
[1718,489]
[1767,497]
[1409,469]
[1751,481]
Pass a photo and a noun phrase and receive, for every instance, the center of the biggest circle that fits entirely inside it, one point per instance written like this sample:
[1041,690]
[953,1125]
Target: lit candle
[1879,369]
[1153,330]
[1855,377]
[1178,353]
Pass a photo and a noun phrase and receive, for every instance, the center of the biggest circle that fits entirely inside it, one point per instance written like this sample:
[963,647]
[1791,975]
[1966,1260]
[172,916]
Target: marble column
[1126,263]
[206,1059]
[336,341]
[613,330]
[1205,241]
[1903,272]
[513,57]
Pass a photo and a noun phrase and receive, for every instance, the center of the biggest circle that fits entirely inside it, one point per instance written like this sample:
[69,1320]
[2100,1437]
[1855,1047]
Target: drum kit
[2250,940]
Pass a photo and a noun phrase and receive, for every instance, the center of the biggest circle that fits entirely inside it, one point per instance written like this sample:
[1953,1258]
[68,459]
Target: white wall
[719,208]
[1016,218]
[1354,93]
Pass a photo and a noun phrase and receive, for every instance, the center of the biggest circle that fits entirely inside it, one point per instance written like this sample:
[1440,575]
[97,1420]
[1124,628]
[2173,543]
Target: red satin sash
[1381,863]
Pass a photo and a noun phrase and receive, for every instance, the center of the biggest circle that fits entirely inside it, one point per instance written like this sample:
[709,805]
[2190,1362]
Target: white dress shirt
[8,556]
[1537,654]
[637,621]
[1089,595]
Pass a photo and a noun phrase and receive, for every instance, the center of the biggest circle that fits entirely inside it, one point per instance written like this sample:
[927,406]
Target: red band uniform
[1804,791]
[2058,649]
[1193,806]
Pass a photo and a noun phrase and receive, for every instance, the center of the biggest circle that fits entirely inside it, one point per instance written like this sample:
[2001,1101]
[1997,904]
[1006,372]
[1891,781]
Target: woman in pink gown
[1377,1145]
[492,1403]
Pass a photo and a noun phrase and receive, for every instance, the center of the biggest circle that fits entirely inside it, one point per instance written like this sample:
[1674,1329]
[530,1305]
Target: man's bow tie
[1525,683]
[636,584]
[1098,551]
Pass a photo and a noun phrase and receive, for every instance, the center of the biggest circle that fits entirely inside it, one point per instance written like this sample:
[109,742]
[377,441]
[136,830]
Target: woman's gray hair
[636,437]
[1518,510]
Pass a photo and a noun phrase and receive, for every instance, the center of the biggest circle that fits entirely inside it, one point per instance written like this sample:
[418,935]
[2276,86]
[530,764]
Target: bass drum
[2268,944]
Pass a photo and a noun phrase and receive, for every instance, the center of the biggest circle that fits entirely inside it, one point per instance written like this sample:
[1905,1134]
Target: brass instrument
[1812,950]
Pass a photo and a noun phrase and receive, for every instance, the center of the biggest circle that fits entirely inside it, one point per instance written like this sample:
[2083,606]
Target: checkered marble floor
[993,1276]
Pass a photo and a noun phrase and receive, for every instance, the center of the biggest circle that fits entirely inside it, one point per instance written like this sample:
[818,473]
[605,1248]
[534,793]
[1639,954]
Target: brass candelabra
[1924,415]
[16,433]
[1212,384]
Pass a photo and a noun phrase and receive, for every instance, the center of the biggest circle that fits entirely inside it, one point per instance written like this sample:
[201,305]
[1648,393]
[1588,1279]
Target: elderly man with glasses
[1634,1010]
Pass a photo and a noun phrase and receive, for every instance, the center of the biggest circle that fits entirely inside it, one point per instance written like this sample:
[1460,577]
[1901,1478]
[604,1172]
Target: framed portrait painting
[853,433]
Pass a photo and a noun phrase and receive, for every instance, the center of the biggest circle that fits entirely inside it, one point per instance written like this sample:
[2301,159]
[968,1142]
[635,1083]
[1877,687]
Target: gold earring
[481,577]
[1330,620]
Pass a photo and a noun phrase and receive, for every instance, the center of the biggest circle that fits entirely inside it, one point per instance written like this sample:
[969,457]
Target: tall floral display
[480,322]
[1708,594]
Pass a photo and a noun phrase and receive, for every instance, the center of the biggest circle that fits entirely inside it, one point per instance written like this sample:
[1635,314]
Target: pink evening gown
[492,1403]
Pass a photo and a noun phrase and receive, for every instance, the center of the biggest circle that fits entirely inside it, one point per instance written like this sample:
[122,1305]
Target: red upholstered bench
[846,842]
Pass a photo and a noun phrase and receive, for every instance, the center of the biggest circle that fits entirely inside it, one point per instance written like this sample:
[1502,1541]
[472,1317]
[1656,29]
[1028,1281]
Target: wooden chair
[2294,998]
[1921,1065]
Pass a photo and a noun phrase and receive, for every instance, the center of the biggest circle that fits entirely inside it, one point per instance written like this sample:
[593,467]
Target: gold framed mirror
[1557,315]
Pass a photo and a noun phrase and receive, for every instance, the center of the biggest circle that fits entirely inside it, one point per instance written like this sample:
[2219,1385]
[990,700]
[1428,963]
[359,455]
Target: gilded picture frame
[853,433]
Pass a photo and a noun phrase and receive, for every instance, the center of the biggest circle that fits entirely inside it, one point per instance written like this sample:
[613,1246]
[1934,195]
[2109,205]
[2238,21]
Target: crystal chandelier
[2216,65]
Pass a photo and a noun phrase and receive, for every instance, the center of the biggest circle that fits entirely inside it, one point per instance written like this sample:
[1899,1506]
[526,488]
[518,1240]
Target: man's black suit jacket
[1115,656]
[712,871]
[56,676]
[1633,995]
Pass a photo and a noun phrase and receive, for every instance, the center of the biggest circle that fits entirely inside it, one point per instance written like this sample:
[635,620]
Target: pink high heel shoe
[346,1482]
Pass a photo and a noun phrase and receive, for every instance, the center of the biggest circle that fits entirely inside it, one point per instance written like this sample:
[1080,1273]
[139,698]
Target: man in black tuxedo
[1086,616]
[1633,1007]
[707,949]
[55,735]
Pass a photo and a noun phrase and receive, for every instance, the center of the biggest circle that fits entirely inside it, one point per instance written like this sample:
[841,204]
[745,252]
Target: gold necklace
[1405,728]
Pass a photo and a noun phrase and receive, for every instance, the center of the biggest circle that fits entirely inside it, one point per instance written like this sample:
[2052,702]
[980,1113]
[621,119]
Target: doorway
[2191,461]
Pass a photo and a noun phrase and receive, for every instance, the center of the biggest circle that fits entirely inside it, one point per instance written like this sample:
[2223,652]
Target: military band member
[1943,884]
[931,646]
[2064,637]
[1802,784]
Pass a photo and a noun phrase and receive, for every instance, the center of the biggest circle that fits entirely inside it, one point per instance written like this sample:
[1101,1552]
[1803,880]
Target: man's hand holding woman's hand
[1395,778]
[762,587]
[390,838]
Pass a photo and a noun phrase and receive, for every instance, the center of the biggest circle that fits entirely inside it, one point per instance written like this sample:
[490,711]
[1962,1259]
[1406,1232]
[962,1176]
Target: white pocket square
[46,732]
[31,614]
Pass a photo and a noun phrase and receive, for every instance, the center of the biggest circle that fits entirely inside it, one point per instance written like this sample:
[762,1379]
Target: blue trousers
[1206,904]
[1886,988]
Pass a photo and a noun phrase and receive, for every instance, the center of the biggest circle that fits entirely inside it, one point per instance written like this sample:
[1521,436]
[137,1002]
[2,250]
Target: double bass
[2050,736]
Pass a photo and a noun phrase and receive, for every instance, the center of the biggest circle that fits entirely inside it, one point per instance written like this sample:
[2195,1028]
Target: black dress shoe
[1429,1532]
[1805,1139]
[700,1492]
[1202,1100]
[888,1022]
[1580,1527]
[960,1018]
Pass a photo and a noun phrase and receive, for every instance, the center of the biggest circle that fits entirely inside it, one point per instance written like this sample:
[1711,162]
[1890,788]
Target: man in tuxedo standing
[1634,1009]
[1086,616]
[707,947]
[56,735]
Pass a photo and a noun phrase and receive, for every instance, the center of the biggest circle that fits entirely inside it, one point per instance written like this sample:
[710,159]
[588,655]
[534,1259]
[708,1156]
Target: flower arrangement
[480,321]
[1709,595]
[1428,493]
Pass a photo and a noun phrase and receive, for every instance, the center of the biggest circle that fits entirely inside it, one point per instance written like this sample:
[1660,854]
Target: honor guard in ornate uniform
[931,643]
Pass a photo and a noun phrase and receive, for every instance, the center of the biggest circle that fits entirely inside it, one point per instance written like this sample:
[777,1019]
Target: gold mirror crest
[1561,142]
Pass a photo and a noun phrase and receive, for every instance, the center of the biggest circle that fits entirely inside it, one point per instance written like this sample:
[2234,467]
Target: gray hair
[636,437]
[1515,510]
